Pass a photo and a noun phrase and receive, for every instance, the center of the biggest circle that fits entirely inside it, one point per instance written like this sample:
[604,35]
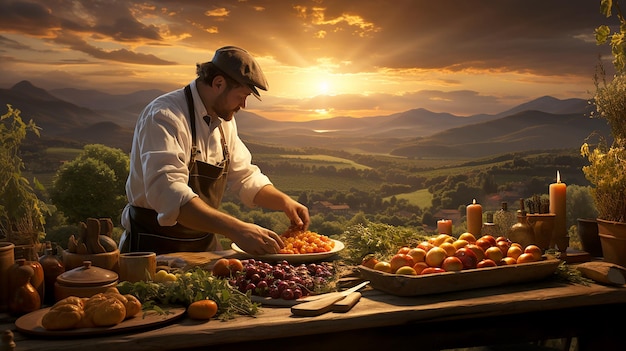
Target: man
[186,151]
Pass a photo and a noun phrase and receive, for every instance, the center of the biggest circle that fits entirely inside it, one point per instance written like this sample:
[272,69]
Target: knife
[324,304]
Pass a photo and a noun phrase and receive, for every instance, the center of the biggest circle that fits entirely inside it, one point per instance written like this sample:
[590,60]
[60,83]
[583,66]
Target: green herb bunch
[381,240]
[193,285]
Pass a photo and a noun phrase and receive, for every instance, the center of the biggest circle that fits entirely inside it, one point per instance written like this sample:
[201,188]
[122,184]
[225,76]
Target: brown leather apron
[206,180]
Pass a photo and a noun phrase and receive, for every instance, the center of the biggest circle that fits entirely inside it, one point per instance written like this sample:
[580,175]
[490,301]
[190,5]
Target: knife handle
[317,307]
[345,304]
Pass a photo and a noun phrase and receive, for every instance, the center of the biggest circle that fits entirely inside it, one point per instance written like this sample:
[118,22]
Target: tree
[21,211]
[92,185]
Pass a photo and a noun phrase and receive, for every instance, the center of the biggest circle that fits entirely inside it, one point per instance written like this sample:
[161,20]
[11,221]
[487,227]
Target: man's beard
[220,107]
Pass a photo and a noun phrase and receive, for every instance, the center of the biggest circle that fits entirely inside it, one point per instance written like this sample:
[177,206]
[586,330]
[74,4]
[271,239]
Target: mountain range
[91,116]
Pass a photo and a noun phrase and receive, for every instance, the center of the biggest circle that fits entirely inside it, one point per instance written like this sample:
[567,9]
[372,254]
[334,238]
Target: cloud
[514,35]
[119,55]
[404,53]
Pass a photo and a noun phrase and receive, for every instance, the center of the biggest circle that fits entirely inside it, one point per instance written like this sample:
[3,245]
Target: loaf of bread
[101,310]
[63,317]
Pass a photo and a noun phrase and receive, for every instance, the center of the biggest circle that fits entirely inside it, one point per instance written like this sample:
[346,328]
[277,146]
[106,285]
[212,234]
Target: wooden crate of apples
[457,263]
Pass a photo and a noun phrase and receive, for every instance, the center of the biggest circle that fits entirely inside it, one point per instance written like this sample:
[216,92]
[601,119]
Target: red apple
[425,245]
[369,261]
[431,270]
[452,264]
[404,250]
[419,267]
[400,260]
[484,243]
[489,238]
[468,257]
[478,251]
[487,262]
[503,238]
[504,246]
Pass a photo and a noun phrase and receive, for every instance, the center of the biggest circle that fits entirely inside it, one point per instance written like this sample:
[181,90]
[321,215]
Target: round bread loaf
[133,305]
[62,317]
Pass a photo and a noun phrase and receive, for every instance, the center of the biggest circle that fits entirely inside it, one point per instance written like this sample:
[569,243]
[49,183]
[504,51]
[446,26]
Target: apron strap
[192,124]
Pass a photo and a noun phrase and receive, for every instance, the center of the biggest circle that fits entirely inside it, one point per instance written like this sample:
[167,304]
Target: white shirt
[161,152]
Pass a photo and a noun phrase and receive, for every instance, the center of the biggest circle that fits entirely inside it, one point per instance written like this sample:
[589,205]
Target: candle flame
[474,202]
[558,177]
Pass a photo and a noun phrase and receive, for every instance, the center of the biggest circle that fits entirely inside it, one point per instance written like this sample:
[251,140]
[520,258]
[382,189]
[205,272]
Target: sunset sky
[322,58]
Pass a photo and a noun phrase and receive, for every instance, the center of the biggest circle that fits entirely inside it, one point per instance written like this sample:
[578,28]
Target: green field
[63,153]
[317,160]
[309,182]
[422,198]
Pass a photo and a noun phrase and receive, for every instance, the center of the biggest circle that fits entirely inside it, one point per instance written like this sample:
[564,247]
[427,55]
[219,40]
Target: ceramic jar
[52,268]
[7,258]
[84,281]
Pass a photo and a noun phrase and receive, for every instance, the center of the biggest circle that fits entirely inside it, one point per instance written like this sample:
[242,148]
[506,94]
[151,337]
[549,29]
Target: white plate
[294,258]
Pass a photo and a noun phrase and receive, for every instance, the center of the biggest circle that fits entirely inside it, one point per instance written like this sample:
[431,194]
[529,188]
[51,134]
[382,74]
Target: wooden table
[509,314]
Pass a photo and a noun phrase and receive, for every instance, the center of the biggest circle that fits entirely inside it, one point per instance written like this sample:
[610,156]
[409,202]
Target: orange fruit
[202,309]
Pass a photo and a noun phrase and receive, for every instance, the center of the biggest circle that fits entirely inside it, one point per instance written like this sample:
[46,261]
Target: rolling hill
[89,116]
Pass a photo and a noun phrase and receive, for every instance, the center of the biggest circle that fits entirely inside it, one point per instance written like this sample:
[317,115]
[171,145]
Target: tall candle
[474,214]
[444,226]
[558,192]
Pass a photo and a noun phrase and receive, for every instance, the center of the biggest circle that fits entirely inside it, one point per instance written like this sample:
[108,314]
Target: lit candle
[444,226]
[558,192]
[474,214]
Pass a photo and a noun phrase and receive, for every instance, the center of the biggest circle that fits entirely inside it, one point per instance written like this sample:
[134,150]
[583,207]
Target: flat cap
[238,64]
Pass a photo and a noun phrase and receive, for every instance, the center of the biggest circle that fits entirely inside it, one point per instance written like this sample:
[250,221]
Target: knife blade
[324,304]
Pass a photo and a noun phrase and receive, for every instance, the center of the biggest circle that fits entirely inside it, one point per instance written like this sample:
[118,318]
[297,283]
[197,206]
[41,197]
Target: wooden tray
[31,323]
[408,285]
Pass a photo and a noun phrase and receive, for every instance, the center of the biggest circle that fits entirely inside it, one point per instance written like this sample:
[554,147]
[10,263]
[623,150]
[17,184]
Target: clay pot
[84,281]
[106,260]
[7,258]
[543,227]
[613,239]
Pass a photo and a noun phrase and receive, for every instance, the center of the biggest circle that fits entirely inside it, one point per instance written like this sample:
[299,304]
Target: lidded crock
[84,281]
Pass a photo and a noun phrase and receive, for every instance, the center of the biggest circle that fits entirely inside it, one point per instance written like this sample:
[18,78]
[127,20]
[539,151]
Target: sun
[323,88]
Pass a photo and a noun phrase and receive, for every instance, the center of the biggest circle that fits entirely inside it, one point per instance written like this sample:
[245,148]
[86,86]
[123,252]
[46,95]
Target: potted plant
[606,170]
[21,211]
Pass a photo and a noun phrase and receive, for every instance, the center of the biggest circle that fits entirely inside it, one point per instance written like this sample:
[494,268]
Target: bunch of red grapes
[282,280]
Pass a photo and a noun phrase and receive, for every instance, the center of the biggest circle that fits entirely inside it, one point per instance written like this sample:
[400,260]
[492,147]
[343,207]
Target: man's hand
[257,240]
